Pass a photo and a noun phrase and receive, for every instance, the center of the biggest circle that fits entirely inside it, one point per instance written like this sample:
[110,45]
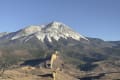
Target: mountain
[56,36]
[79,52]
[53,30]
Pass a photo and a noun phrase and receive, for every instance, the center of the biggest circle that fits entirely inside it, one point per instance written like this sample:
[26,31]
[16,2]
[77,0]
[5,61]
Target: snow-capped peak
[59,30]
[56,25]
[54,30]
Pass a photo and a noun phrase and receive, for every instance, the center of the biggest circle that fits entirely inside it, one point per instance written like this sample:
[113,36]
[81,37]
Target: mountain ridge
[55,30]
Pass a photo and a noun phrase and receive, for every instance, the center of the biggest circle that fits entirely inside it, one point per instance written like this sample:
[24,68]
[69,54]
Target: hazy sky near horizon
[92,18]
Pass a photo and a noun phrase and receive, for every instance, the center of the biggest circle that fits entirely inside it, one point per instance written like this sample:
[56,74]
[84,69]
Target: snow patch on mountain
[3,34]
[26,32]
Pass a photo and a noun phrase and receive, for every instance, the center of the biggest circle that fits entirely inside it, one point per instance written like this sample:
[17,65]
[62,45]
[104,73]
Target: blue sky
[93,18]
